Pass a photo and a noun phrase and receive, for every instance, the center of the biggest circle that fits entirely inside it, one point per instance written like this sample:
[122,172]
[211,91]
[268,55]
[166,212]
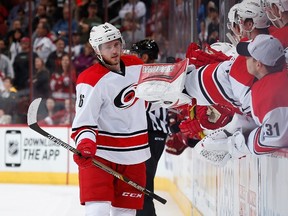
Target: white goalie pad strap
[163,83]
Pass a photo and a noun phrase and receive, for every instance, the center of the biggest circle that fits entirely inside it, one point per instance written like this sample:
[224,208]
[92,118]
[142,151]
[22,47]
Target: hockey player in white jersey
[111,126]
[266,61]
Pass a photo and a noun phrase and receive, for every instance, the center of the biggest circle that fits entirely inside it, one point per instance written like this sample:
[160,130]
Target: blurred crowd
[61,51]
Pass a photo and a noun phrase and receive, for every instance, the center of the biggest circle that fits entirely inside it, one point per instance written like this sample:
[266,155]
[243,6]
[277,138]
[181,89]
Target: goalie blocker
[163,84]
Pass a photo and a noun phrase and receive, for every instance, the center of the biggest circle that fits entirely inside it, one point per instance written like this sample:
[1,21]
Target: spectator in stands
[131,30]
[50,35]
[53,62]
[22,16]
[21,65]
[76,45]
[8,97]
[61,117]
[41,79]
[15,46]
[213,27]
[21,5]
[85,59]
[61,27]
[3,16]
[158,19]
[16,25]
[3,47]
[210,10]
[86,23]
[51,11]
[42,45]
[6,68]
[40,13]
[68,114]
[4,118]
[201,14]
[137,9]
[62,82]
[9,89]
[47,109]
[203,35]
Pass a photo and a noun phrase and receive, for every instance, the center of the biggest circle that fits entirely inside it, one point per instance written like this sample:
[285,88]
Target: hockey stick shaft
[32,123]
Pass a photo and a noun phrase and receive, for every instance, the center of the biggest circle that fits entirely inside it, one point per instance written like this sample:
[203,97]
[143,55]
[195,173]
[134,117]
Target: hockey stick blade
[32,123]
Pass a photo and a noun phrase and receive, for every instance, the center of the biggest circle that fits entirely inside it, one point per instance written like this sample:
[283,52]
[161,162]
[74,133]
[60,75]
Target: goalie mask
[252,10]
[146,46]
[102,34]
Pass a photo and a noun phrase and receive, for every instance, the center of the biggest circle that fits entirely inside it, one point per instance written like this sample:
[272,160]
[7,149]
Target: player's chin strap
[227,142]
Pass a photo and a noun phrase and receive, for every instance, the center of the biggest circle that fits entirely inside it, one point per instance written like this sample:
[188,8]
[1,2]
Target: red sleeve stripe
[260,149]
[76,134]
[211,87]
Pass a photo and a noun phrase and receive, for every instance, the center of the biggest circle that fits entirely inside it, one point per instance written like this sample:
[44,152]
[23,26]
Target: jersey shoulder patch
[92,74]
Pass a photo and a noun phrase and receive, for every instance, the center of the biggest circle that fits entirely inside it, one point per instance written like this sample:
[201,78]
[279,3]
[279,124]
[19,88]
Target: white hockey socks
[122,212]
[97,208]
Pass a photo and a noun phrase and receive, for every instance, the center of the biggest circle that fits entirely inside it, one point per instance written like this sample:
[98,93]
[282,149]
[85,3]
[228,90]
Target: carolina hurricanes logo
[126,98]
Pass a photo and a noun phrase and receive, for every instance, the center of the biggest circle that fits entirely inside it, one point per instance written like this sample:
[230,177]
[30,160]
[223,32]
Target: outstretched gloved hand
[87,148]
[191,128]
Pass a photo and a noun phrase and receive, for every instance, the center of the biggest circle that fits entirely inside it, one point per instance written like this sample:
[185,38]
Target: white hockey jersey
[108,112]
[227,83]
[270,112]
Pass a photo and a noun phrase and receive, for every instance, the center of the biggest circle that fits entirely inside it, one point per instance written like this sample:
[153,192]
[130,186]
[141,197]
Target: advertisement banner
[24,150]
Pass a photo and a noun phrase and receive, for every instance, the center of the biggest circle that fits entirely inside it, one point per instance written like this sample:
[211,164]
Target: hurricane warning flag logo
[126,98]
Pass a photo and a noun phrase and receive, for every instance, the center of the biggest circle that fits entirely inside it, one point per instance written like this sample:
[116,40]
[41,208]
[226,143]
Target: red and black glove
[175,144]
[214,117]
[200,58]
[191,128]
[87,148]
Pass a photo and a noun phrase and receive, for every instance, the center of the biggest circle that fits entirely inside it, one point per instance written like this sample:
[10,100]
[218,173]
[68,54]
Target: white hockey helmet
[275,16]
[281,4]
[102,34]
[232,16]
[251,9]
[221,46]
[227,48]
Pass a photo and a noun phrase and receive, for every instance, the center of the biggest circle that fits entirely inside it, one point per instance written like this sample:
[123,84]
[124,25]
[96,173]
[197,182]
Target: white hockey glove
[234,144]
[227,142]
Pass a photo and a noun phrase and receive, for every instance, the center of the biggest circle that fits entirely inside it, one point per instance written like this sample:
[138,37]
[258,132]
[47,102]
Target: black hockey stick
[32,123]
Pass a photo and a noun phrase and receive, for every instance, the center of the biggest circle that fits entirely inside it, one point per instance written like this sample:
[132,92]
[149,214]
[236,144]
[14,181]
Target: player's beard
[113,61]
